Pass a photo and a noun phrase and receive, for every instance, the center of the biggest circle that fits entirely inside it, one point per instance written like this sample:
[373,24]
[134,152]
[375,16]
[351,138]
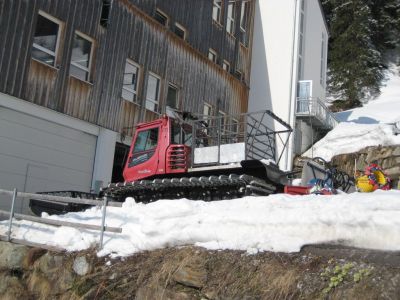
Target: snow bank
[351,137]
[276,223]
[384,109]
[370,125]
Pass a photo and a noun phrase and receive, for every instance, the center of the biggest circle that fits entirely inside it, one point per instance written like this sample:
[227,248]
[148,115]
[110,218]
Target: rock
[33,255]
[11,288]
[81,266]
[48,263]
[39,285]
[396,151]
[12,256]
[65,280]
[191,276]
[393,172]
[158,292]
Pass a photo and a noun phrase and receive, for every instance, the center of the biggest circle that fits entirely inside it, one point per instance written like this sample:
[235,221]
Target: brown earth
[317,272]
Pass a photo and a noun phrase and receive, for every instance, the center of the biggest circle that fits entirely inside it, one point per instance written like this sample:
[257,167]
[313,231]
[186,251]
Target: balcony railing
[314,111]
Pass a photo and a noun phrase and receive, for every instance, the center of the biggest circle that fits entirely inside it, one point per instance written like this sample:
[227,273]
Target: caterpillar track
[207,188]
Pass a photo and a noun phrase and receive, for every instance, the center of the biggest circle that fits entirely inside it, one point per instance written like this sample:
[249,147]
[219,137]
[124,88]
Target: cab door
[144,154]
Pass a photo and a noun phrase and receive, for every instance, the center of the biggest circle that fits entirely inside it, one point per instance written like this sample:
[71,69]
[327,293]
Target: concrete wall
[274,72]
[273,63]
[314,28]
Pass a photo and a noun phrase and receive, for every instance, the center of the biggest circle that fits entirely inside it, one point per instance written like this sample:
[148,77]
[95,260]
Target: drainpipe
[292,86]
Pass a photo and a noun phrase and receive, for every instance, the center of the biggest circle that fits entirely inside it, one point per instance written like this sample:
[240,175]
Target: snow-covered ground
[370,125]
[275,223]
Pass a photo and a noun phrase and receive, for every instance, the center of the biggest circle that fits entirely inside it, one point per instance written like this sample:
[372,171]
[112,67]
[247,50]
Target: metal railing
[26,196]
[259,131]
[315,108]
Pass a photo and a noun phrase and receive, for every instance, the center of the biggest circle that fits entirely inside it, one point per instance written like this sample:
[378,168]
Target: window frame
[43,49]
[148,137]
[175,87]
[182,28]
[223,116]
[244,23]
[135,93]
[89,68]
[301,41]
[218,8]
[163,14]
[214,53]
[156,102]
[226,63]
[322,78]
[230,19]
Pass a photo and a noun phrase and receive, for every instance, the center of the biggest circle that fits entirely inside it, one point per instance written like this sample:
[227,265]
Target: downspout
[292,88]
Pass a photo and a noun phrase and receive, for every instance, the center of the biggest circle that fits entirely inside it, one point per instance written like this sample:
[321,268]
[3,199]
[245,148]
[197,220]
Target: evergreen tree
[386,31]
[355,63]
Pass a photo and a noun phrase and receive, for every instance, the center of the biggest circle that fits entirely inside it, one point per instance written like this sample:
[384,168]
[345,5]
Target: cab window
[146,140]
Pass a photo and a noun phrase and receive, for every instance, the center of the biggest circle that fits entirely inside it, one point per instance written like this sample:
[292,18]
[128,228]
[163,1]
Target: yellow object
[380,177]
[363,184]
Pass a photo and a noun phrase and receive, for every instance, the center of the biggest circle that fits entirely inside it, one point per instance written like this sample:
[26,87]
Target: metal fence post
[11,214]
[103,221]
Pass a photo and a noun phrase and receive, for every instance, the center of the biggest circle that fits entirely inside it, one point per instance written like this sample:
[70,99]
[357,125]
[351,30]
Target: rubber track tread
[207,188]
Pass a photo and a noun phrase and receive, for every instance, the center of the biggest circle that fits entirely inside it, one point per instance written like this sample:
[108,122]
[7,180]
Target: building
[76,76]
[288,72]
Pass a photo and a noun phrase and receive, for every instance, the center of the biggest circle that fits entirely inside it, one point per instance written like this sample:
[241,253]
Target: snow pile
[370,125]
[384,109]
[352,137]
[275,223]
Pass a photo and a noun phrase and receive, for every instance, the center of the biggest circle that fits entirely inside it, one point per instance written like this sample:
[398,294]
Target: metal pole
[11,214]
[103,221]
[219,140]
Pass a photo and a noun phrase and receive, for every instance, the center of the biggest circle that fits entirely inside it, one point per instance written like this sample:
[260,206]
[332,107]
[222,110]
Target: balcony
[315,113]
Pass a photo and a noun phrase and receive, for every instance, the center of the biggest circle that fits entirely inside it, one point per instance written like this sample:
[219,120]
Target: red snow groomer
[198,157]
[203,157]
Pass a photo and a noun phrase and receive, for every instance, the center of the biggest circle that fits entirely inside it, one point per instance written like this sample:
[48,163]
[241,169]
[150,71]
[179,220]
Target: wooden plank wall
[132,33]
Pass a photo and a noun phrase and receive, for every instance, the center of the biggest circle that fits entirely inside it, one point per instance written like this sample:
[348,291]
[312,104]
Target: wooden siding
[132,33]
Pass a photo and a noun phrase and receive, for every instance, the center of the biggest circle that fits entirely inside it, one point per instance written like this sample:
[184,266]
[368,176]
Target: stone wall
[388,158]
[317,272]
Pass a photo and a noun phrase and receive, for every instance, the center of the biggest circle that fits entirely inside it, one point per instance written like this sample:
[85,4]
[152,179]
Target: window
[226,66]
[244,15]
[161,17]
[180,31]
[81,57]
[146,140]
[46,39]
[301,42]
[217,9]
[105,13]
[233,131]
[239,74]
[130,84]
[322,72]
[222,121]
[153,93]
[172,96]
[244,11]
[207,112]
[230,22]
[212,55]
